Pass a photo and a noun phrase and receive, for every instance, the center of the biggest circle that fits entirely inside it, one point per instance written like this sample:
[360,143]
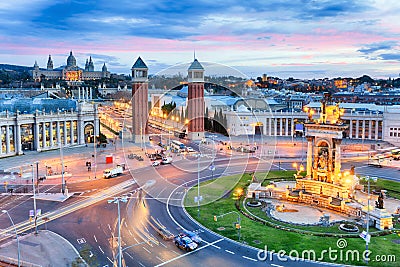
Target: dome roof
[71,61]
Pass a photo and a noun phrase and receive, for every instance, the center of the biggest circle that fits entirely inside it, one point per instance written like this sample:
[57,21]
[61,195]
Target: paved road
[96,224]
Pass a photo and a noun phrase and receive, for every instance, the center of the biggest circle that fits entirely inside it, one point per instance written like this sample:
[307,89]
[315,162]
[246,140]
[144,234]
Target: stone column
[357,129]
[309,156]
[79,93]
[338,156]
[36,135]
[363,129]
[65,133]
[44,135]
[292,127]
[280,126]
[315,159]
[351,129]
[51,134]
[7,139]
[71,131]
[370,129]
[90,93]
[286,126]
[275,127]
[270,126]
[58,133]
[17,141]
[376,129]
[1,140]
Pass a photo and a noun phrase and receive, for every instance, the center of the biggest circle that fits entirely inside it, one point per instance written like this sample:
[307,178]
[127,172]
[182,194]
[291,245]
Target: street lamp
[62,168]
[16,234]
[117,200]
[198,183]
[367,238]
[34,200]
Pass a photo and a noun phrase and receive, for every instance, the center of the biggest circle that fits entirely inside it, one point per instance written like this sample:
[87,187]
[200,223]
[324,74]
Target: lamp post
[34,200]
[16,235]
[117,200]
[62,168]
[95,152]
[198,184]
[367,238]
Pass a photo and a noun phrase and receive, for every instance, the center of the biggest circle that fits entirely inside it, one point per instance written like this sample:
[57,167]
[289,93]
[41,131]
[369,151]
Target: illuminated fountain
[325,184]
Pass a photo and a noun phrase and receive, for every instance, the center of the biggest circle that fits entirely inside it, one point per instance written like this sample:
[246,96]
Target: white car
[190,149]
[155,163]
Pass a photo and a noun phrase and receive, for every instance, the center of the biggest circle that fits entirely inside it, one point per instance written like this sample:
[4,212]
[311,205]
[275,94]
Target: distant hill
[15,68]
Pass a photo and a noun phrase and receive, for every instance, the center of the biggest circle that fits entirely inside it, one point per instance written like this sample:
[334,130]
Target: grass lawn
[392,187]
[259,235]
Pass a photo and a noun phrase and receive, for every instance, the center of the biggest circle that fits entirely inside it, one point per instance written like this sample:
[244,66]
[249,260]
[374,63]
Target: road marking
[146,249]
[110,260]
[162,244]
[276,265]
[191,252]
[130,256]
[125,224]
[249,258]
[95,239]
[136,240]
[229,251]
[130,233]
[109,227]
[101,250]
[81,240]
[159,259]
[141,264]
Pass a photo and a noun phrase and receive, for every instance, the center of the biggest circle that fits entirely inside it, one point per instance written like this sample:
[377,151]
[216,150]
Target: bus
[178,145]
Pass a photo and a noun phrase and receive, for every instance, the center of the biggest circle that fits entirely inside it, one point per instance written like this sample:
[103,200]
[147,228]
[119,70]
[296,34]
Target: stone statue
[379,202]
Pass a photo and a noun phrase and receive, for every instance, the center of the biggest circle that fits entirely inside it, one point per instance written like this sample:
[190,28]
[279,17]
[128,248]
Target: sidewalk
[46,249]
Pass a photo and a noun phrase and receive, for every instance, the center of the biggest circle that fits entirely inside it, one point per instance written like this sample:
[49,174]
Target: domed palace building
[70,72]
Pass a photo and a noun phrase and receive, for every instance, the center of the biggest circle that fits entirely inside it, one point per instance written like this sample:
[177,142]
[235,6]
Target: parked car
[166,160]
[192,235]
[184,242]
[155,163]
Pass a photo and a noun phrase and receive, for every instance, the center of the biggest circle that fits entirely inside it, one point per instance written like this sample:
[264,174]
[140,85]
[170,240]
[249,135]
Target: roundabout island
[311,210]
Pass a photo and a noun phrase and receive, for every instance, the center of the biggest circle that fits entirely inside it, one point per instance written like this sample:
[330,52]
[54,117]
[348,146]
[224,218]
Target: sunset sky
[301,39]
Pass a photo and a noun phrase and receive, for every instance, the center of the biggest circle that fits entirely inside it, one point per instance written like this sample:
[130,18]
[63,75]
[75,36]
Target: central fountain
[325,185]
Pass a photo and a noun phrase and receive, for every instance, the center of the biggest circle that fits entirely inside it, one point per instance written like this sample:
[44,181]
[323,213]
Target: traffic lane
[90,226]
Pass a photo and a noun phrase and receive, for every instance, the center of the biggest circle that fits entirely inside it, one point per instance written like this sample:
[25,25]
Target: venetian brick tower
[195,101]
[140,108]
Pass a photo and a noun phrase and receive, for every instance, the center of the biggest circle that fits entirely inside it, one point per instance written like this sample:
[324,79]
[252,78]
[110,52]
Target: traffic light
[215,218]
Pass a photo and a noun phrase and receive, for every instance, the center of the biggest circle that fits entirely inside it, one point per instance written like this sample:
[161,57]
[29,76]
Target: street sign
[365,236]
[212,168]
[31,213]
[39,212]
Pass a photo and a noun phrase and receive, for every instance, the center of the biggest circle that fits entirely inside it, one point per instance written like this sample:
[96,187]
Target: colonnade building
[377,123]
[46,130]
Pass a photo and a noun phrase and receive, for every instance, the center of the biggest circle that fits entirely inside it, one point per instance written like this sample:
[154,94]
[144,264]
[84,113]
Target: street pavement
[47,241]
[45,249]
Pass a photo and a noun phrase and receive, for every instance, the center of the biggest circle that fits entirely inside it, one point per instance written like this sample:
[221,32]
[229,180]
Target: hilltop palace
[71,72]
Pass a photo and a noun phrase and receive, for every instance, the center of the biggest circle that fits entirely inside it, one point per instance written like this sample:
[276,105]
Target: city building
[39,124]
[71,72]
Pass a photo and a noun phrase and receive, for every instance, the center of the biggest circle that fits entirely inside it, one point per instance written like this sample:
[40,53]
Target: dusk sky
[288,38]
